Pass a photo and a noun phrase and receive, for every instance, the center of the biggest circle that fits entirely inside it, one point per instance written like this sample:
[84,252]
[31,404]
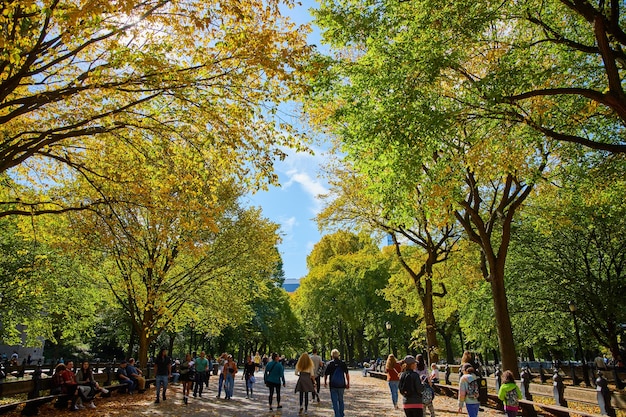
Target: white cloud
[287,225]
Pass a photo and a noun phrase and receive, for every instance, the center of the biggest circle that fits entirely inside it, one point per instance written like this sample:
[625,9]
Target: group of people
[411,378]
[415,383]
[310,368]
[130,375]
[79,387]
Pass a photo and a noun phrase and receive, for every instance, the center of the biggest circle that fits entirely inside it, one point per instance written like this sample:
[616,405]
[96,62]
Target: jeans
[130,384]
[219,384]
[161,380]
[229,385]
[472,409]
[393,387]
[336,396]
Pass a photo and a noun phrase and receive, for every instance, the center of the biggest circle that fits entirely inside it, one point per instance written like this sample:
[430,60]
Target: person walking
[185,376]
[230,370]
[273,375]
[410,386]
[339,381]
[221,361]
[248,375]
[468,392]
[393,369]
[318,371]
[509,394]
[201,366]
[306,380]
[162,372]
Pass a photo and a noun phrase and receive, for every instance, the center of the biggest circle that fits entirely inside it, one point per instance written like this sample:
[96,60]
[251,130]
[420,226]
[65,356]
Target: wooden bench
[379,375]
[529,409]
[31,406]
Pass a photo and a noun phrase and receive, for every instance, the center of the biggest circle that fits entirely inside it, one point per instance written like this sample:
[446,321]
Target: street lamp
[388,326]
[572,309]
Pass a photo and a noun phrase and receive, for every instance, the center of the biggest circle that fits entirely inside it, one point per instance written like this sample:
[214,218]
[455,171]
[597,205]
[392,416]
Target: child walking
[509,394]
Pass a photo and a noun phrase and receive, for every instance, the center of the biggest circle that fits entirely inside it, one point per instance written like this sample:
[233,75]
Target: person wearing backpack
[428,395]
[510,394]
[273,375]
[339,381]
[468,392]
[411,388]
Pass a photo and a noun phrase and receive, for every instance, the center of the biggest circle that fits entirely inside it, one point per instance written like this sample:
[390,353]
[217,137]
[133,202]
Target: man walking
[339,381]
[202,367]
[163,372]
[317,365]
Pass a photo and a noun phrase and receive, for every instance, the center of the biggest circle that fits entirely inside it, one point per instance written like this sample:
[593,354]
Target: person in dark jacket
[411,388]
[339,382]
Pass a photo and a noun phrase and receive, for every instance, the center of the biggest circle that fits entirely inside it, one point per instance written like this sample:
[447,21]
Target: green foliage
[43,292]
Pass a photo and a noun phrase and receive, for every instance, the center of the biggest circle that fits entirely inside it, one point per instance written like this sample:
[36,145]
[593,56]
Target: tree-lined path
[367,397]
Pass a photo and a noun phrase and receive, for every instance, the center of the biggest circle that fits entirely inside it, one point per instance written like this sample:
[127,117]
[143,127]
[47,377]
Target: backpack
[406,384]
[337,379]
[511,398]
[321,370]
[427,394]
[472,389]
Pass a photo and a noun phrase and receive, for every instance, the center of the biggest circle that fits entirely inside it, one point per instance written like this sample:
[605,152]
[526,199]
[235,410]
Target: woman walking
[185,376]
[230,370]
[306,380]
[393,369]
[248,374]
[411,388]
[274,374]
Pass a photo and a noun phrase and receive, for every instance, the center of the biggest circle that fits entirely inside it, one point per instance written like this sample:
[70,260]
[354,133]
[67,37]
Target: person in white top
[318,369]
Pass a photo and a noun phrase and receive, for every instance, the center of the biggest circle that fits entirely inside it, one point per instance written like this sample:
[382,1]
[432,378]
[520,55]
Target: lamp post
[388,326]
[572,309]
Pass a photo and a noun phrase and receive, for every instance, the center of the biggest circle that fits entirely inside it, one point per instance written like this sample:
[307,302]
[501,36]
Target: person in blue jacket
[273,376]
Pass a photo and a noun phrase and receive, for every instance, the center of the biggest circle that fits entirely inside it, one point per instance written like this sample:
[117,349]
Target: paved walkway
[367,397]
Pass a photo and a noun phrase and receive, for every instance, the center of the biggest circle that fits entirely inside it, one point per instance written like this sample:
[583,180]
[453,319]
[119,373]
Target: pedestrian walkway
[367,397]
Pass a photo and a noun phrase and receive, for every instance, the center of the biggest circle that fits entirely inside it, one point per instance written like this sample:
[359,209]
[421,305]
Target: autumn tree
[188,251]
[349,206]
[74,73]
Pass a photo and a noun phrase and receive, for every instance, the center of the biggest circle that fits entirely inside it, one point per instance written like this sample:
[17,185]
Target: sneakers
[91,405]
[80,406]
[105,391]
[300,412]
[74,408]
[157,401]
[185,400]
[164,397]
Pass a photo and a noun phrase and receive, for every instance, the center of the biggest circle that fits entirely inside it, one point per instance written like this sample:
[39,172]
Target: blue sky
[295,204]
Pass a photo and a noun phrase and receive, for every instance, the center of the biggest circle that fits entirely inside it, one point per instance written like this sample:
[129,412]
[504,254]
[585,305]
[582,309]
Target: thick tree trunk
[144,345]
[503,323]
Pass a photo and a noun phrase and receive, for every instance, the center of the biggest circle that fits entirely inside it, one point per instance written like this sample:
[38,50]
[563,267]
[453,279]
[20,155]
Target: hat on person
[408,359]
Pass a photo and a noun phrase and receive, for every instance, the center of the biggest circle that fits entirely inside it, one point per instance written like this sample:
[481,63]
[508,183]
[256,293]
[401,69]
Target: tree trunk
[503,322]
[144,344]
[432,344]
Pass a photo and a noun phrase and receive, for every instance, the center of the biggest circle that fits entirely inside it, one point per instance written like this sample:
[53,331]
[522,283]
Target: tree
[403,118]
[44,293]
[349,206]
[573,243]
[338,299]
[78,74]
[188,243]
